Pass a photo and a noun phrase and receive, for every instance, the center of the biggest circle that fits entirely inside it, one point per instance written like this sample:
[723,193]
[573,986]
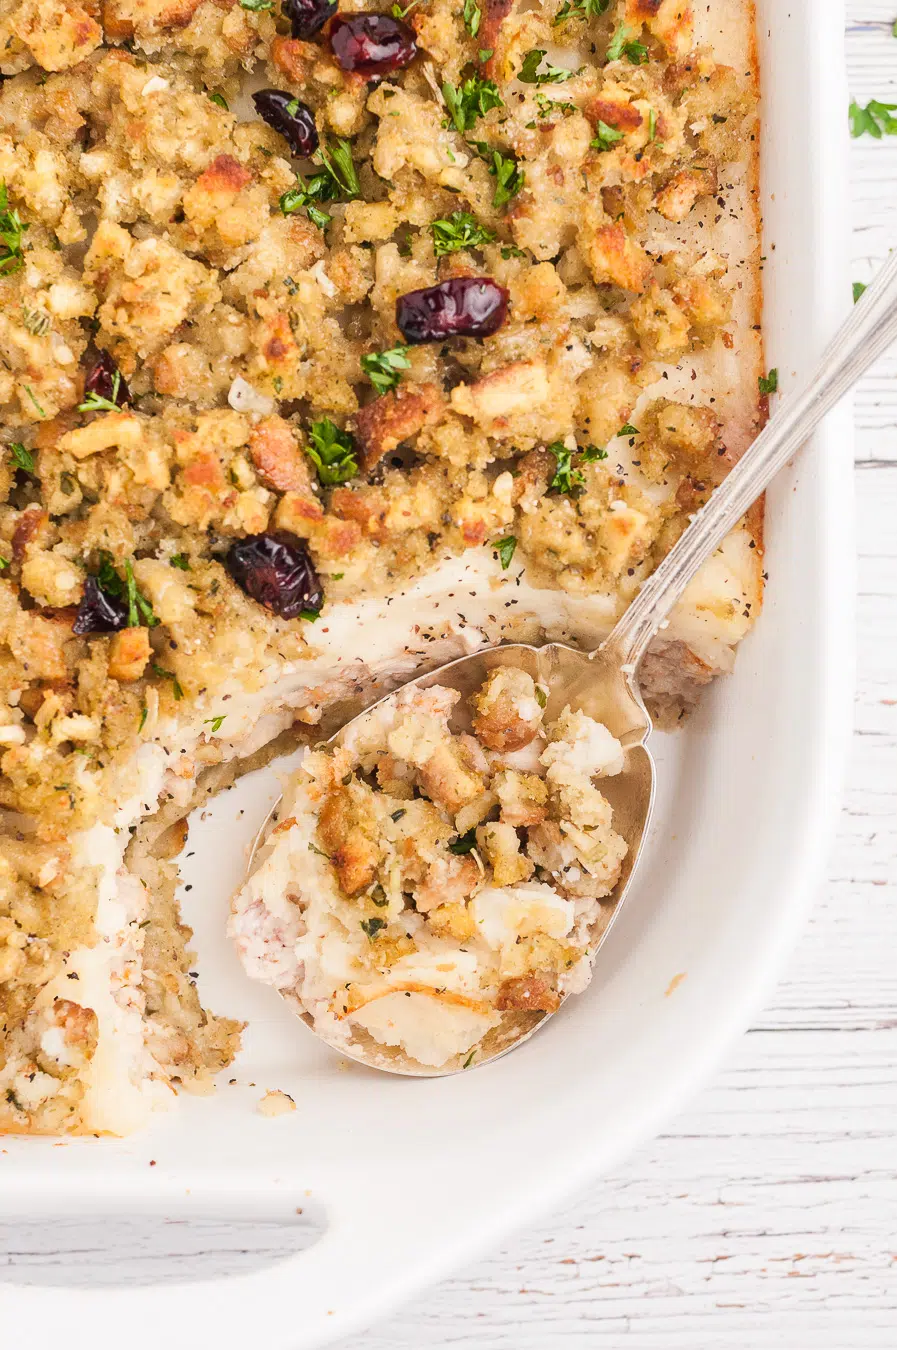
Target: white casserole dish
[415,1176]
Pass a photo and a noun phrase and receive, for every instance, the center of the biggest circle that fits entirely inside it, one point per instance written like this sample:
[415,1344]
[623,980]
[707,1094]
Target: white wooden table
[766,1216]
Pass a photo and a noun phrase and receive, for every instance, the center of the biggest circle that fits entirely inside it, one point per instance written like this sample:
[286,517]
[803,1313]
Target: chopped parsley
[220,100]
[22,458]
[472,16]
[628,430]
[384,369]
[143,716]
[547,105]
[170,675]
[858,288]
[541,696]
[460,230]
[179,560]
[769,384]
[509,177]
[96,403]
[505,550]
[512,251]
[30,392]
[471,101]
[469,1060]
[332,452]
[12,228]
[622,44]
[337,179]
[373,926]
[310,615]
[581,9]
[215,722]
[566,478]
[465,843]
[140,611]
[529,72]
[4,563]
[593,453]
[257,6]
[399,13]
[873,120]
[607,136]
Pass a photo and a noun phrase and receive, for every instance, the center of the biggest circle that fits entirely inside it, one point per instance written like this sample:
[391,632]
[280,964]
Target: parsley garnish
[215,722]
[505,550]
[529,72]
[593,453]
[548,105]
[607,136]
[465,843]
[143,716]
[566,478]
[337,178]
[512,251]
[873,120]
[373,926]
[472,17]
[384,369]
[11,230]
[399,13]
[140,611]
[332,452]
[96,403]
[581,9]
[310,615]
[4,563]
[504,169]
[472,101]
[22,458]
[175,683]
[460,230]
[469,1060]
[769,384]
[36,321]
[220,100]
[628,430]
[621,44]
[858,288]
[30,392]
[179,560]
[256,5]
[541,696]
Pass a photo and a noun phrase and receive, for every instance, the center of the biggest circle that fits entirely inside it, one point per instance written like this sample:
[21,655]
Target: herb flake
[384,369]
[332,452]
[505,550]
[769,384]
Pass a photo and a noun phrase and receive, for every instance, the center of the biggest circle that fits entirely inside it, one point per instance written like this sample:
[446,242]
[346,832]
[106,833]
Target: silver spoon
[604,683]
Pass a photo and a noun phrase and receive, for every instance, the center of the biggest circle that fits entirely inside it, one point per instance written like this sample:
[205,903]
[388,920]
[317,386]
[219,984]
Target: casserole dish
[723,889]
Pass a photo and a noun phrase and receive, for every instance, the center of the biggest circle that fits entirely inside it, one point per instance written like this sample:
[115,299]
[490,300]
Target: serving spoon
[604,683]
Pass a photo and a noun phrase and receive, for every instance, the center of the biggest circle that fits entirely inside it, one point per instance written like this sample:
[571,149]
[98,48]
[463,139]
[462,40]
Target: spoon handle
[865,335]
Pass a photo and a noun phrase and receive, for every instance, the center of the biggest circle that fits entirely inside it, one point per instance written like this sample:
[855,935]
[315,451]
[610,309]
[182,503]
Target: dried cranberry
[294,120]
[308,16]
[462,307]
[100,380]
[98,611]
[275,570]
[372,44]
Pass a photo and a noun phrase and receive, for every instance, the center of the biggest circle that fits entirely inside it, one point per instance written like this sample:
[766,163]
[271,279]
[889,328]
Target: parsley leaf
[41,412]
[593,453]
[472,17]
[607,136]
[179,560]
[22,458]
[332,452]
[622,44]
[769,384]
[548,105]
[873,120]
[566,478]
[11,230]
[504,169]
[219,99]
[505,550]
[373,926]
[529,72]
[628,430]
[140,611]
[384,369]
[460,230]
[858,288]
[581,9]
[336,179]
[170,675]
[472,101]
[465,843]
[256,5]
[215,722]
[96,403]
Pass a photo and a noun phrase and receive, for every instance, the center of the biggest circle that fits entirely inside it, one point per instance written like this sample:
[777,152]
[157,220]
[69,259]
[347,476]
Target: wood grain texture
[766,1216]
